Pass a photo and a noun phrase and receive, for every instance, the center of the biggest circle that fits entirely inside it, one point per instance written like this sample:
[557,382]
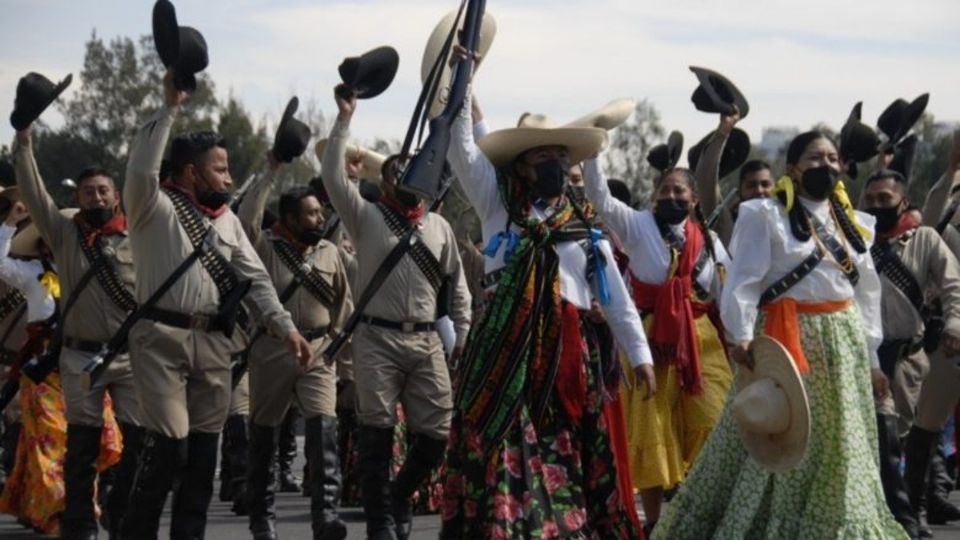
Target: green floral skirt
[833,493]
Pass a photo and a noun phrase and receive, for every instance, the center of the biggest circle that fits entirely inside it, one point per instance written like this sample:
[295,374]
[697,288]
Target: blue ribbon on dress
[512,238]
[598,265]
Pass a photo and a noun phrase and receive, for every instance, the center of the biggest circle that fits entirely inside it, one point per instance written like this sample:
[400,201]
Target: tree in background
[626,157]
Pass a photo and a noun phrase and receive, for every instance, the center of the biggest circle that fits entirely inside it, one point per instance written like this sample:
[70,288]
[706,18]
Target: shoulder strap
[10,301]
[106,274]
[836,249]
[419,252]
[304,273]
[891,266]
[212,260]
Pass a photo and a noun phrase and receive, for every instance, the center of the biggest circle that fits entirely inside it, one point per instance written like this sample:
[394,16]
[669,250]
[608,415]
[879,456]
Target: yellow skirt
[665,434]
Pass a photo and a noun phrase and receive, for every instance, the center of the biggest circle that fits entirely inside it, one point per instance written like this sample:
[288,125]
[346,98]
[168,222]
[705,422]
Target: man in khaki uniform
[398,356]
[910,260]
[292,250]
[103,298]
[180,351]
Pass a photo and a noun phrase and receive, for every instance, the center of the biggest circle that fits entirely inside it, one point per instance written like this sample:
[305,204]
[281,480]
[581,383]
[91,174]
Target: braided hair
[799,221]
[698,217]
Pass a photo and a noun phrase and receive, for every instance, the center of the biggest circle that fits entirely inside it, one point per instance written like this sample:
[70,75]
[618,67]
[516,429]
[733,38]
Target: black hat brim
[25,114]
[192,58]
[371,73]
[666,156]
[911,114]
[292,136]
[735,151]
[889,120]
[717,94]
[166,32]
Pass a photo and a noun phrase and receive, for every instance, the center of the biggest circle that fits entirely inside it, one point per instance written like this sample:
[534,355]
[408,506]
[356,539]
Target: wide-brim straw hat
[371,162]
[536,130]
[770,407]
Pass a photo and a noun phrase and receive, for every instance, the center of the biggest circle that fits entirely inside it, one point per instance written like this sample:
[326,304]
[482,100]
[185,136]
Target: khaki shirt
[405,295]
[935,268]
[160,244]
[94,316]
[307,311]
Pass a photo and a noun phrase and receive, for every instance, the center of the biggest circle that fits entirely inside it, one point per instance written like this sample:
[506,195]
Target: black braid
[799,224]
[708,240]
[851,232]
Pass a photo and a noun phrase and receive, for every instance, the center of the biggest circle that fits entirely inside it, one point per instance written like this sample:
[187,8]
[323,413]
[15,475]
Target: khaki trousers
[393,367]
[182,377]
[908,377]
[85,406]
[276,380]
[240,397]
[940,392]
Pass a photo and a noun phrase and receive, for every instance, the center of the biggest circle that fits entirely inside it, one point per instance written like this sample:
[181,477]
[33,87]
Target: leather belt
[197,321]
[83,345]
[401,326]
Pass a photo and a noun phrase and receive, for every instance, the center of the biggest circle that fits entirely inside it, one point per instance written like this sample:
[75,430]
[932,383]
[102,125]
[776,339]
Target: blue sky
[798,62]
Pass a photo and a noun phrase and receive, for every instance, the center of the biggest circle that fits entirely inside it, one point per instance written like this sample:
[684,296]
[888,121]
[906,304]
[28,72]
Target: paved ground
[294,521]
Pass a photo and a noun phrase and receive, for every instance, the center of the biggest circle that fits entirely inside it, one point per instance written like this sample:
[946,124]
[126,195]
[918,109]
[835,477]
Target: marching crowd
[780,363]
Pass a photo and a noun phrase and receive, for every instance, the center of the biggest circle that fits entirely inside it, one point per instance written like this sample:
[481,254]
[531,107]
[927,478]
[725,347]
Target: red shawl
[673,336]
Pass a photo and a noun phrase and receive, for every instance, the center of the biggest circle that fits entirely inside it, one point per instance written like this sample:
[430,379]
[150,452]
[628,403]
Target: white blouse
[650,257]
[24,275]
[478,178]
[764,250]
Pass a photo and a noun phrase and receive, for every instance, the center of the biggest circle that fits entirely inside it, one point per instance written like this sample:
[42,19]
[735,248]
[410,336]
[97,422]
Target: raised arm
[613,212]
[708,175]
[43,210]
[341,286]
[939,196]
[253,204]
[344,194]
[473,170]
[141,187]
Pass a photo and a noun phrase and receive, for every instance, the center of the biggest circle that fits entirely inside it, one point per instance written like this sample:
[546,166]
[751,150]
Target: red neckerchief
[906,223]
[413,215]
[210,212]
[673,338]
[283,232]
[116,225]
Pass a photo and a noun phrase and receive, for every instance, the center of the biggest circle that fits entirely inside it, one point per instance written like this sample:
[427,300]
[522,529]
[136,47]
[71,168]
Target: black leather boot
[160,461]
[425,455]
[919,448]
[325,480]
[78,521]
[238,452]
[940,511]
[287,452]
[260,482]
[894,487]
[376,450]
[188,520]
[125,470]
[226,481]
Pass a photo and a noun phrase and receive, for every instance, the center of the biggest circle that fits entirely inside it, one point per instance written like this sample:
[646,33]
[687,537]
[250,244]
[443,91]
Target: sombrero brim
[26,243]
[609,116]
[23,117]
[370,162]
[501,147]
[488,30]
[783,451]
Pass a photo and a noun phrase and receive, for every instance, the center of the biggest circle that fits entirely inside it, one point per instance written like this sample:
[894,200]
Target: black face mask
[311,237]
[406,198]
[97,217]
[818,182]
[671,211]
[887,218]
[212,198]
[551,178]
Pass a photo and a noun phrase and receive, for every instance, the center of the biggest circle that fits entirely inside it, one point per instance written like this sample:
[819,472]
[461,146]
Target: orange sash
[782,324]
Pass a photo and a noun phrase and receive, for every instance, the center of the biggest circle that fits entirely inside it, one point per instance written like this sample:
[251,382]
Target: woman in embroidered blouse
[829,320]
[675,276]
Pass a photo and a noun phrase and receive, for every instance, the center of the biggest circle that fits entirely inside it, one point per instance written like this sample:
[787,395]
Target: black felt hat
[717,94]
[34,94]
[181,48]
[858,141]
[735,151]
[666,156]
[899,117]
[369,74]
[292,135]
[620,191]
